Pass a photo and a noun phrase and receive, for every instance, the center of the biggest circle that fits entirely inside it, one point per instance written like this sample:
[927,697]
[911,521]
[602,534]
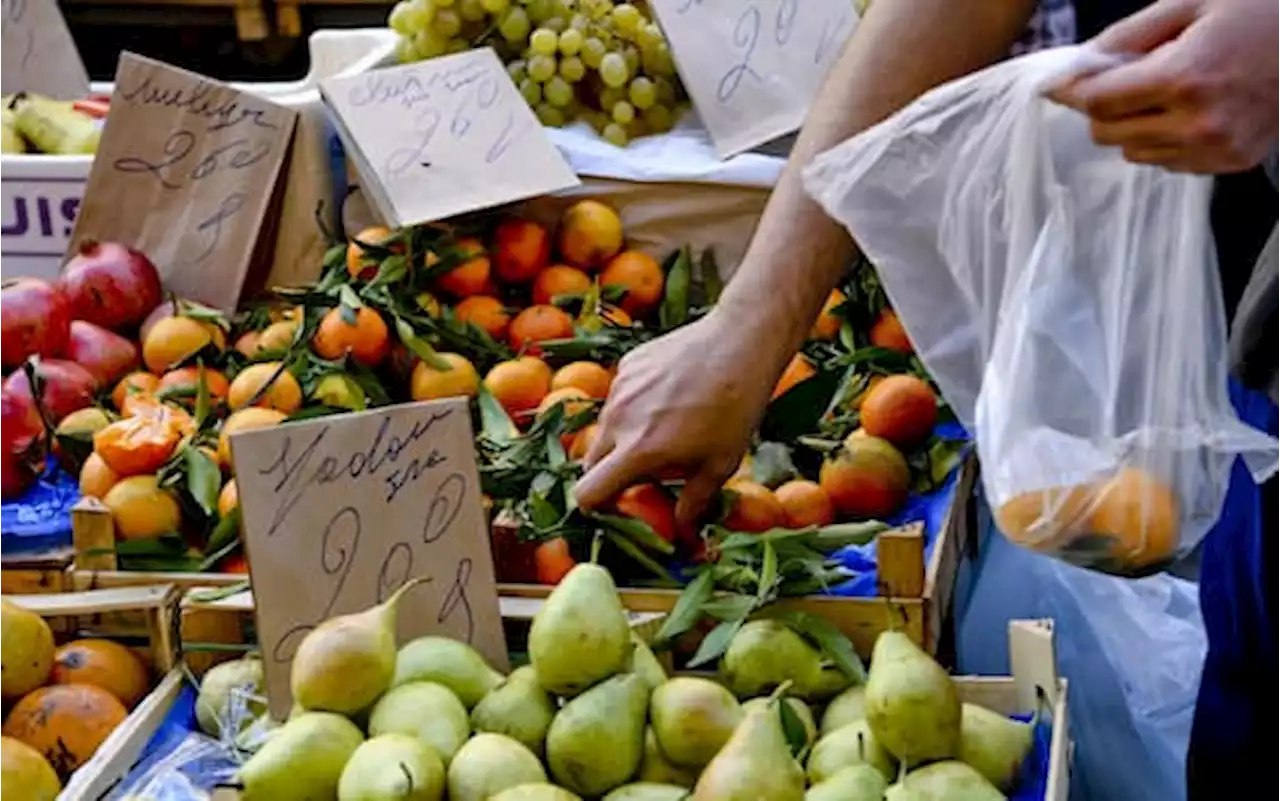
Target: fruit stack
[36,124]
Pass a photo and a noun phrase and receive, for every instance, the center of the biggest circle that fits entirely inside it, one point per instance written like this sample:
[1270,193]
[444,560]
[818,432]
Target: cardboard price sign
[441,137]
[341,511]
[38,53]
[186,172]
[753,67]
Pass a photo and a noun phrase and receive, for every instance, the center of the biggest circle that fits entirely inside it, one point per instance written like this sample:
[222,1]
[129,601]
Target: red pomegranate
[35,318]
[68,387]
[110,285]
[105,354]
[20,451]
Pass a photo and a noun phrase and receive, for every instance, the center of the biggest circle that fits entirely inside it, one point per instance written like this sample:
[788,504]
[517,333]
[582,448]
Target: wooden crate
[919,594]
[32,574]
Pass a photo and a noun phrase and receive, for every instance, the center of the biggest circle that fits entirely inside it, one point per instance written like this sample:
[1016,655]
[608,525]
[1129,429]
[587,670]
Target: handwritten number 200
[745,34]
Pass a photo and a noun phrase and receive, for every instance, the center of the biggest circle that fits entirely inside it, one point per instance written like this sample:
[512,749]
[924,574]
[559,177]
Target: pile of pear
[594,716]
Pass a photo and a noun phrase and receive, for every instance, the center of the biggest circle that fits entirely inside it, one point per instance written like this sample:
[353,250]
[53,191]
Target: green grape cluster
[600,61]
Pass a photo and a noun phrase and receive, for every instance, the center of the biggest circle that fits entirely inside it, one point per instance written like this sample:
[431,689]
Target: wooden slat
[93,533]
[95,602]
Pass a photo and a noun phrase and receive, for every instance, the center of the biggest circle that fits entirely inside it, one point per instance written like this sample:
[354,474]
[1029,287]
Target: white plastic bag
[1067,303]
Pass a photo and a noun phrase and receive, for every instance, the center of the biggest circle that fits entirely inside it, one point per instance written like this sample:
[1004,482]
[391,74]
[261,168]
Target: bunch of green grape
[601,61]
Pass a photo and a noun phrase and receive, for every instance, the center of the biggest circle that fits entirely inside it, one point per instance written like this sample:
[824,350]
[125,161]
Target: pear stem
[780,690]
[596,541]
[399,593]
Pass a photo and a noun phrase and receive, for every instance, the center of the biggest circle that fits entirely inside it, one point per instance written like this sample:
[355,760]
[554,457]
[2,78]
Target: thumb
[1148,29]
[607,477]
[701,487]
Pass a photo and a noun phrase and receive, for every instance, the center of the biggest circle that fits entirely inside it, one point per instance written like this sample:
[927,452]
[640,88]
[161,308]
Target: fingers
[699,489]
[618,469]
[1141,131]
[1140,87]
[1148,29]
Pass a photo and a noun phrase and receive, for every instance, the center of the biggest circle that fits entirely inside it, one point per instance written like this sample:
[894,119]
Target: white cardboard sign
[39,54]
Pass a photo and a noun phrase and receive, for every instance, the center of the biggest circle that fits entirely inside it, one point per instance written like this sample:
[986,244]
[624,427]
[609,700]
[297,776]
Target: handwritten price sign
[753,67]
[38,53]
[341,511]
[442,137]
[186,172]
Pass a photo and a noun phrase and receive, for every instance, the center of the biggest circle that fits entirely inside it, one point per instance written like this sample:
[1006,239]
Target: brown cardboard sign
[186,172]
[38,53]
[340,511]
[753,67]
[441,137]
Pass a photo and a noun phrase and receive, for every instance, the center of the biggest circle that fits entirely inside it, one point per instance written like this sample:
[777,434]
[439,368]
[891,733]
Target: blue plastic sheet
[40,520]
[1034,779]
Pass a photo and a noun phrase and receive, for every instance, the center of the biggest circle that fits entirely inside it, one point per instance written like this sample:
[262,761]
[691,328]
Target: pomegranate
[68,387]
[35,318]
[105,354]
[20,451]
[110,285]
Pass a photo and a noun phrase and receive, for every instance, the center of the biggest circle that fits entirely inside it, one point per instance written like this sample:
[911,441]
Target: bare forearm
[902,49]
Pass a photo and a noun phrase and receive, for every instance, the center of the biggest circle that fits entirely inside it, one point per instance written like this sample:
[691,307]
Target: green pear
[427,711]
[535,791]
[994,745]
[392,767]
[844,709]
[854,783]
[454,664]
[801,710]
[911,703]
[518,708]
[645,664]
[949,780]
[302,760]
[647,791]
[764,654]
[346,662]
[656,769]
[855,744]
[831,682]
[580,636]
[755,765]
[232,696]
[692,718]
[489,764]
[596,740]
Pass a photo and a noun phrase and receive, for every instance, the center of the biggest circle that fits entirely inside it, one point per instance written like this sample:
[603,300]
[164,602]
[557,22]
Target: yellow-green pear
[536,791]
[755,765]
[692,718]
[346,662]
[489,764]
[801,710]
[647,791]
[454,664]
[844,709]
[655,768]
[854,783]
[596,740]
[518,708]
[645,664]
[855,744]
[392,767]
[994,745]
[911,703]
[580,636]
[949,780]
[302,760]
[764,654]
[232,696]
[427,711]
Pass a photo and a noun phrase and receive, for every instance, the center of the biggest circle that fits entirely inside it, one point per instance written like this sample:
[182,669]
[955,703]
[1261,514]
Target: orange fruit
[228,499]
[361,264]
[582,442]
[553,561]
[142,509]
[96,478]
[804,503]
[856,403]
[1047,519]
[617,316]
[798,369]
[138,383]
[277,337]
[754,508]
[640,275]
[520,384]
[1140,513]
[887,332]
[559,280]
[183,384]
[283,392]
[538,324]
[367,339]
[173,340]
[427,302]
[472,276]
[485,313]
[247,419]
[139,444]
[867,478]
[651,504]
[589,377]
[65,722]
[247,344]
[236,563]
[901,409]
[827,326]
[102,663]
[460,380]
[574,400]
[520,249]
[590,234]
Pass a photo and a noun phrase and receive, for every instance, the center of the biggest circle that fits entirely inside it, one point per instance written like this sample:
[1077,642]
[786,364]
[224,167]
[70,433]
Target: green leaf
[687,610]
[542,512]
[716,642]
[709,271]
[637,531]
[170,544]
[838,535]
[640,557]
[393,269]
[830,641]
[495,423]
[204,405]
[227,530]
[771,464]
[204,479]
[797,735]
[730,606]
[768,572]
[211,594]
[674,311]
[419,346]
[797,411]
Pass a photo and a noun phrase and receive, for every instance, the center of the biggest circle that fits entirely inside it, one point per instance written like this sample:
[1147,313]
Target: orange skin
[485,313]
[368,341]
[754,509]
[538,324]
[139,383]
[553,561]
[641,276]
[65,722]
[590,234]
[798,369]
[103,663]
[96,479]
[359,264]
[519,385]
[187,380]
[582,442]
[827,326]
[650,504]
[472,277]
[559,280]
[804,503]
[887,332]
[236,563]
[520,250]
[589,377]
[140,444]
[868,478]
[901,409]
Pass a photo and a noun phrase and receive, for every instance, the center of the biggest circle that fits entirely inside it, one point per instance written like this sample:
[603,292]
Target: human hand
[1202,95]
[687,401]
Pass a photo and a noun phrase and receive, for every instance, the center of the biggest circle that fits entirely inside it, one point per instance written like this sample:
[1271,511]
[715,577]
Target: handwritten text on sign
[341,511]
[753,67]
[38,52]
[185,173]
[444,136]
